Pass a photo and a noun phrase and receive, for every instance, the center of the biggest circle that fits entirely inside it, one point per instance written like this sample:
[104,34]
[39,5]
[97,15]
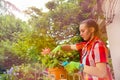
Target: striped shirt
[93,52]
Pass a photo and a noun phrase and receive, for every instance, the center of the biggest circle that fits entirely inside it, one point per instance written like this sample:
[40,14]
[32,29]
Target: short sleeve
[100,53]
[80,45]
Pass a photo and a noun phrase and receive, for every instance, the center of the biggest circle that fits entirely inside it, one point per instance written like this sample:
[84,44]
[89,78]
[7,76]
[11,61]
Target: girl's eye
[82,31]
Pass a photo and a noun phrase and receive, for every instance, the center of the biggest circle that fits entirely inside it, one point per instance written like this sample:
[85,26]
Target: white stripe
[91,61]
[84,60]
[96,52]
[95,78]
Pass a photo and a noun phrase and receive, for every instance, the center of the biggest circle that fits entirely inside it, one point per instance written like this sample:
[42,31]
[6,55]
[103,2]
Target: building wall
[113,32]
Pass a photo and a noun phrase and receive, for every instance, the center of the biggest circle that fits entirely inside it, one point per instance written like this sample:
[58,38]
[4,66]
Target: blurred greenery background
[22,41]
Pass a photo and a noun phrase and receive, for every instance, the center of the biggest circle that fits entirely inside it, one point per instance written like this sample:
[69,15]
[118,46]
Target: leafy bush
[50,60]
[26,72]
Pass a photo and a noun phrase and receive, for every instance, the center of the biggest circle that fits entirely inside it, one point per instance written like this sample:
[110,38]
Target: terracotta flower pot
[57,73]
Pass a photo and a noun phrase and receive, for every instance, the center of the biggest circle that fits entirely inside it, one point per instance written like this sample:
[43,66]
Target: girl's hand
[74,66]
[57,49]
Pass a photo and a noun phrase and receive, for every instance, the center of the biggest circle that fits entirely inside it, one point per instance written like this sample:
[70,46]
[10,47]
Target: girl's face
[85,32]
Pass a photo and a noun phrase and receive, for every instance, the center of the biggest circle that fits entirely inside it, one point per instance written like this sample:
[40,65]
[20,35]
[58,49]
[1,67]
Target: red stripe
[102,54]
[87,60]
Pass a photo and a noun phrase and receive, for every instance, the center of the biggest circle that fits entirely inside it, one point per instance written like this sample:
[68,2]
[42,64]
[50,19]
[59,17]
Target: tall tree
[66,15]
[10,29]
[63,17]
[7,8]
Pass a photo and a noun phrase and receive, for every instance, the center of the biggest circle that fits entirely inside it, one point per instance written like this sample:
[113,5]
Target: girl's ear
[92,29]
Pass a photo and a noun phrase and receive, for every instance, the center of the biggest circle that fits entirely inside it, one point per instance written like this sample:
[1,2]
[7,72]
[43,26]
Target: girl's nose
[80,34]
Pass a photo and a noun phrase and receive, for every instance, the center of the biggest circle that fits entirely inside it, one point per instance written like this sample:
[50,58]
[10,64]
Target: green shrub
[26,72]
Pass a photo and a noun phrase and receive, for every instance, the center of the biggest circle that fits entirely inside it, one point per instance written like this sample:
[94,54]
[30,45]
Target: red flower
[45,51]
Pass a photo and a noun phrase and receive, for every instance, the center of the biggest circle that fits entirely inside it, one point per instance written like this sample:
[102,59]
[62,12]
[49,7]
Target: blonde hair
[92,23]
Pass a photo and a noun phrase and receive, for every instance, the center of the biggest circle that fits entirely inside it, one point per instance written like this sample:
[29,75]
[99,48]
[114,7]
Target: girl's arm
[68,47]
[99,71]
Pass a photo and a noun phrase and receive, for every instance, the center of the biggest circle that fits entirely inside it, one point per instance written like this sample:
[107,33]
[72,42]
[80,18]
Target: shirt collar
[92,41]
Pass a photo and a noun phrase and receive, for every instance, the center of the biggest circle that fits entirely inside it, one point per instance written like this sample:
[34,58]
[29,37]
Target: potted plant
[53,62]
[49,60]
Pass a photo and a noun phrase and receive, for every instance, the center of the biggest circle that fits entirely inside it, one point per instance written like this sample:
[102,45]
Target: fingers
[55,54]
